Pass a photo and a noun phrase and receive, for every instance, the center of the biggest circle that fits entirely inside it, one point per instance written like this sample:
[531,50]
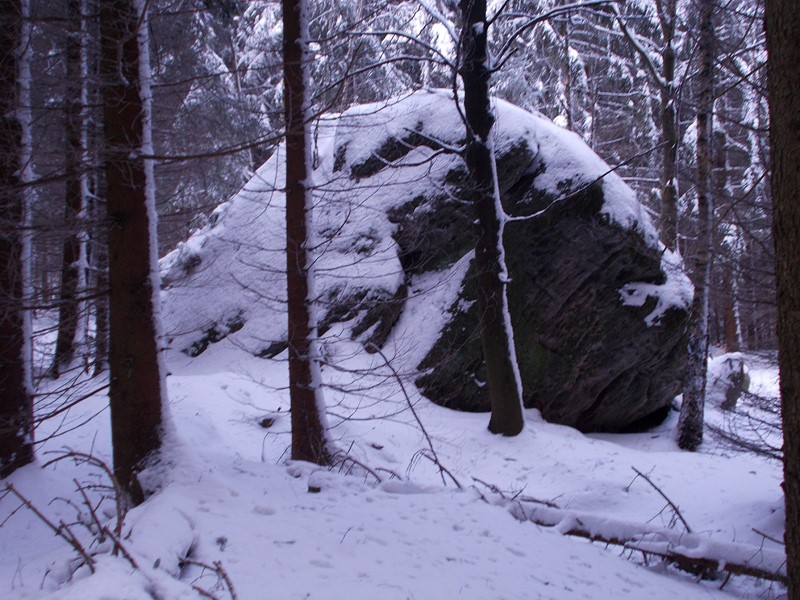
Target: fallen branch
[340,459]
[517,496]
[103,530]
[222,575]
[430,453]
[672,505]
[687,551]
[425,453]
[61,530]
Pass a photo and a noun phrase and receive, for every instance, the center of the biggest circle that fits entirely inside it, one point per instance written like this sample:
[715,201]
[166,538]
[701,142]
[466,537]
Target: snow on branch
[689,552]
[631,37]
[532,21]
[431,9]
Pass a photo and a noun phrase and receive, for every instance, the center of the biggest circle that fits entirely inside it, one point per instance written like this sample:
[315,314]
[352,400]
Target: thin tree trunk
[568,74]
[669,129]
[97,215]
[782,27]
[73,251]
[309,441]
[692,416]
[16,398]
[100,269]
[730,327]
[497,338]
[136,390]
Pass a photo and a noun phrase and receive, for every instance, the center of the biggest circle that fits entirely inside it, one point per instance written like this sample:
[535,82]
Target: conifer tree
[137,389]
[16,396]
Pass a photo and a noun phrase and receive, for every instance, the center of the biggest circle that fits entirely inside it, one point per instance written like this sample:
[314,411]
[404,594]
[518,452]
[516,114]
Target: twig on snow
[672,505]
[61,530]
[433,457]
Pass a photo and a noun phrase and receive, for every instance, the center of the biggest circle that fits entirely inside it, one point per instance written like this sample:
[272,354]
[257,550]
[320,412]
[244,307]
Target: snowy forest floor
[231,498]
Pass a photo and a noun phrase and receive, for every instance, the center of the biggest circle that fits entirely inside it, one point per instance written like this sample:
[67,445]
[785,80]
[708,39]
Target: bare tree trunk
[782,26]
[136,390]
[309,441]
[497,337]
[16,398]
[73,251]
[692,417]
[568,74]
[100,269]
[669,128]
[730,323]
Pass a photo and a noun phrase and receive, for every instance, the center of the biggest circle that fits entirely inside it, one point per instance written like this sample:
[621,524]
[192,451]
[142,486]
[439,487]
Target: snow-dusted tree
[206,128]
[497,336]
[691,421]
[742,301]
[73,254]
[782,26]
[309,436]
[16,401]
[659,58]
[544,67]
[137,389]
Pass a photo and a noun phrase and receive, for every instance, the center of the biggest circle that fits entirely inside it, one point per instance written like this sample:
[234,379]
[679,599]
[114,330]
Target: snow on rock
[392,226]
[728,379]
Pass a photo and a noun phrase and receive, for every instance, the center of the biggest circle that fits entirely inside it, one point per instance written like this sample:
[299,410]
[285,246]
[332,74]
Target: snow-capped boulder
[728,379]
[599,307]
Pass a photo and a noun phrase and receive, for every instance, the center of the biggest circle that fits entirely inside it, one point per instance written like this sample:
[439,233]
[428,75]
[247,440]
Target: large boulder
[595,352]
[599,307]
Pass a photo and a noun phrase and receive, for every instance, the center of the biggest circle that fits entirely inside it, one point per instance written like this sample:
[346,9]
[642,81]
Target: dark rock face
[586,360]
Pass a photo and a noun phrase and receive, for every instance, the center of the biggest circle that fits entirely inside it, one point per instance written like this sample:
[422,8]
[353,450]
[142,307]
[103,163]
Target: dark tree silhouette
[71,267]
[308,428]
[782,27]
[136,390]
[497,339]
[16,408]
[692,419]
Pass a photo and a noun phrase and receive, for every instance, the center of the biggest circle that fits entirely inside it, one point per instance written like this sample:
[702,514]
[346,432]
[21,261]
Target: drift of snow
[229,497]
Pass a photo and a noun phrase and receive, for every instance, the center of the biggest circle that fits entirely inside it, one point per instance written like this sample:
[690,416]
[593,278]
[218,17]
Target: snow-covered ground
[233,513]
[231,498]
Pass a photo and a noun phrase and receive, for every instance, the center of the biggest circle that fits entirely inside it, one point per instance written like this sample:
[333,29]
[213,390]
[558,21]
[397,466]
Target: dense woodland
[673,94]
[625,82]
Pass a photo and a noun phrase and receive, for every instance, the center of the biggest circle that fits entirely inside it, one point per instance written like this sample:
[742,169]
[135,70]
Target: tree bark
[782,27]
[100,266]
[16,398]
[72,267]
[669,129]
[136,390]
[309,438]
[497,338]
[692,416]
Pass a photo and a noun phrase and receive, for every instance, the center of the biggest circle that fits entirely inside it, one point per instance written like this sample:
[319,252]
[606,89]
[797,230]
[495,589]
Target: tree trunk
[136,390]
[16,398]
[100,268]
[73,251]
[669,129]
[730,322]
[692,417]
[309,438]
[497,338]
[568,73]
[782,26]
